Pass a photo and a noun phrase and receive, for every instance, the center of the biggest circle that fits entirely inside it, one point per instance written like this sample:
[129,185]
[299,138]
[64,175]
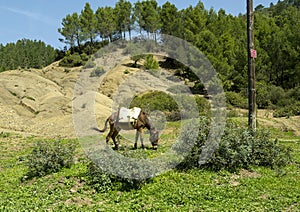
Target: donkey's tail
[104,129]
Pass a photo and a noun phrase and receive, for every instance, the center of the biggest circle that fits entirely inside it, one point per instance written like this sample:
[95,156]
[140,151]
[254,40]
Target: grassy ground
[258,189]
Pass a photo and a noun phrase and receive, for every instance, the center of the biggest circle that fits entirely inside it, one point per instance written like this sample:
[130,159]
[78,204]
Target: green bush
[98,179]
[49,156]
[237,148]
[156,100]
[150,63]
[75,60]
[294,93]
[276,94]
[292,109]
[97,72]
[240,149]
[263,95]
[189,141]
[170,105]
[236,100]
[104,182]
[89,64]
[203,106]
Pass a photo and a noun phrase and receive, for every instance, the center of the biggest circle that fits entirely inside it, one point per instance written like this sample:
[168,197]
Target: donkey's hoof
[135,146]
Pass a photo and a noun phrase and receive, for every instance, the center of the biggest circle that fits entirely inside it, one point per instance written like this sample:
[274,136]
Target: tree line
[220,36]
[26,54]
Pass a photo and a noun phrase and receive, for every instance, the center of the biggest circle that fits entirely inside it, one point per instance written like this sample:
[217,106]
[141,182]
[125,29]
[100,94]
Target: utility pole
[251,67]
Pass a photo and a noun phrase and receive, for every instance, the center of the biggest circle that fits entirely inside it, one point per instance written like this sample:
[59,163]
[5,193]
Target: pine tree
[88,25]
[105,22]
[123,14]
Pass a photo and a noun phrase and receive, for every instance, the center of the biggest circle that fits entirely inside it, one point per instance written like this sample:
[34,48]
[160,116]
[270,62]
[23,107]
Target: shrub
[294,93]
[236,100]
[103,182]
[97,72]
[187,140]
[49,156]
[151,63]
[84,57]
[73,60]
[263,95]
[90,64]
[276,94]
[292,109]
[237,148]
[203,106]
[98,179]
[175,107]
[156,100]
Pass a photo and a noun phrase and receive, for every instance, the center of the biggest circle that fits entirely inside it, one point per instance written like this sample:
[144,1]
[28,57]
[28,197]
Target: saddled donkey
[139,124]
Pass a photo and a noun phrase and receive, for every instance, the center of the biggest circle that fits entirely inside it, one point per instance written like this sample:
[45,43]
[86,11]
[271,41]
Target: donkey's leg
[142,140]
[114,137]
[137,134]
[109,135]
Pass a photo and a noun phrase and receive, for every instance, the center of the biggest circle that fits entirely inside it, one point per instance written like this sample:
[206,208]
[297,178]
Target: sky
[40,19]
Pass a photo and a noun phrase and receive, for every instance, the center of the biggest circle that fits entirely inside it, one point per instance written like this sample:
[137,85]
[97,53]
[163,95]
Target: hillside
[39,101]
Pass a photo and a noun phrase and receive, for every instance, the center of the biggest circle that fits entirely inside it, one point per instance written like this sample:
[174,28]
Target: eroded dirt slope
[40,101]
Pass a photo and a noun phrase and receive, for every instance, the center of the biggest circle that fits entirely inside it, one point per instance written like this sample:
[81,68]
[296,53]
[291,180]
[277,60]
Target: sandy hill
[40,101]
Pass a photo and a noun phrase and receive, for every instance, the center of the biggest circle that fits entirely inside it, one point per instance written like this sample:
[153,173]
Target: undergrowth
[49,156]
[238,148]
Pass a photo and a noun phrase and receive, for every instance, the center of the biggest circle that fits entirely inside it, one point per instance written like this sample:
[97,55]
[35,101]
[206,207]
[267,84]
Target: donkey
[139,124]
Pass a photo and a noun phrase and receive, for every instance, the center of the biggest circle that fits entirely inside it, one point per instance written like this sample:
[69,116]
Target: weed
[49,156]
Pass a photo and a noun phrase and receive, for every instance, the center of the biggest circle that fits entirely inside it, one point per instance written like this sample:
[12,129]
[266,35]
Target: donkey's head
[154,137]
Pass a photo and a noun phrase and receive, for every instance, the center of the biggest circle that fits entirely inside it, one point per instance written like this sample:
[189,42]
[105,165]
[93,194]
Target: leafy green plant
[204,106]
[238,148]
[49,156]
[292,109]
[72,60]
[156,100]
[175,107]
[236,100]
[151,63]
[98,179]
[105,182]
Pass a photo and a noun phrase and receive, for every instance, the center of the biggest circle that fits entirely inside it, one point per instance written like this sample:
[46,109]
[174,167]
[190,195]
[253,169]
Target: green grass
[258,189]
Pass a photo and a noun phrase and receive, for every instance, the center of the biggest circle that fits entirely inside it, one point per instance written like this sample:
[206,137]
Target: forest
[220,36]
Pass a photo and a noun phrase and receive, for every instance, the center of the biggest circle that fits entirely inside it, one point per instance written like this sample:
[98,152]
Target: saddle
[128,115]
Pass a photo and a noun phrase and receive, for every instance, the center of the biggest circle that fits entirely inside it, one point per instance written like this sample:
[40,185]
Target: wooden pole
[251,67]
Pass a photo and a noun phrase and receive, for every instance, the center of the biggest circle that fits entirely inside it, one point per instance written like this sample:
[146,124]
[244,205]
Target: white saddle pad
[128,115]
